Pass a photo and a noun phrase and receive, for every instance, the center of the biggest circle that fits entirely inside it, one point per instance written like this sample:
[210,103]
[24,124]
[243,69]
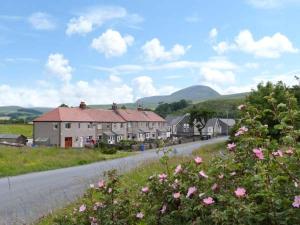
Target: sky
[54,52]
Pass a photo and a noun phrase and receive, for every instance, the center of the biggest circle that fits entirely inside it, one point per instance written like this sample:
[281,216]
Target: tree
[200,117]
[64,105]
[123,107]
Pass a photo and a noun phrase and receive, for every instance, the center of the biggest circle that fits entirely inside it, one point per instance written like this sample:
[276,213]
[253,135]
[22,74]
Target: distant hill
[193,93]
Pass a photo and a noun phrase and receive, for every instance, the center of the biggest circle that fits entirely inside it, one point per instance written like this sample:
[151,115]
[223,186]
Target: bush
[109,151]
[256,182]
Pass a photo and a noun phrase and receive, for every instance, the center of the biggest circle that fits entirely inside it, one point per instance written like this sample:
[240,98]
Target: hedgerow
[256,182]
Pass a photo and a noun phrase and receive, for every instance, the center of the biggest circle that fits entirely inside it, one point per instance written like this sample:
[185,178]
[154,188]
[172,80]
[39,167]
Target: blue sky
[105,51]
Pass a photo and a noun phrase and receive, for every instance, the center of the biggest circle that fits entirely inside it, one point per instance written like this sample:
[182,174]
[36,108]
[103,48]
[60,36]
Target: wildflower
[258,153]
[214,187]
[208,201]
[221,176]
[176,195]
[92,186]
[82,208]
[231,146]
[278,153]
[296,203]
[289,151]
[101,184]
[109,190]
[202,174]
[162,177]
[191,191]
[178,169]
[163,209]
[140,215]
[240,107]
[240,192]
[93,221]
[145,189]
[241,131]
[233,173]
[175,184]
[198,160]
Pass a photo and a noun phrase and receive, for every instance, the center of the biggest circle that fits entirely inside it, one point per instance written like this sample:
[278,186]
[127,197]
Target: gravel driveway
[25,198]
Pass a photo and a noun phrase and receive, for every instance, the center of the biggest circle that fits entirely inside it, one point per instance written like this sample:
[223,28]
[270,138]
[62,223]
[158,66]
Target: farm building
[13,138]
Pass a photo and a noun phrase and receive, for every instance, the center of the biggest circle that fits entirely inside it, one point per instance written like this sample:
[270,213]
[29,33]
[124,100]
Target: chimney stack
[114,106]
[140,108]
[82,105]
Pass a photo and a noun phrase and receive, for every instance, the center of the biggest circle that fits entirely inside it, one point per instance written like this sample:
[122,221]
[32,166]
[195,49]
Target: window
[107,125]
[68,125]
[121,125]
[129,125]
[115,125]
[99,126]
[90,125]
[153,135]
[78,125]
[55,126]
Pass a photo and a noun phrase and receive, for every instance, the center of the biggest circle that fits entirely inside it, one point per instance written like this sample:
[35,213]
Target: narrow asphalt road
[25,198]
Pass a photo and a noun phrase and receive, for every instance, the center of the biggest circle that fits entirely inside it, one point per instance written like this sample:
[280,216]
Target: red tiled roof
[97,115]
[137,115]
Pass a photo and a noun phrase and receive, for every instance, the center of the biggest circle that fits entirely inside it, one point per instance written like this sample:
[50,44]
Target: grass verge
[15,161]
[134,180]
[25,129]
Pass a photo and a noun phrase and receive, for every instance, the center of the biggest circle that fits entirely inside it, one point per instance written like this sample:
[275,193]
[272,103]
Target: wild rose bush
[255,182]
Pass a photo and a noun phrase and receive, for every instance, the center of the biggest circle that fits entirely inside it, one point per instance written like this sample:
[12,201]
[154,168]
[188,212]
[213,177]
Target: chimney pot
[82,105]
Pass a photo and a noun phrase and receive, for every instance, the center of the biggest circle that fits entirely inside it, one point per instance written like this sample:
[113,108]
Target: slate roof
[62,114]
[229,122]
[174,120]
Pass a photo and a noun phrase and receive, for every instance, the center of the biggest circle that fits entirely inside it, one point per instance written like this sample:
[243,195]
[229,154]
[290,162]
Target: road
[25,198]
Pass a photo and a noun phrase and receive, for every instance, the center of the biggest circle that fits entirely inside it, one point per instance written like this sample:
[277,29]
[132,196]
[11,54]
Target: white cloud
[266,47]
[42,21]
[115,78]
[111,43]
[154,51]
[145,86]
[213,34]
[251,65]
[95,17]
[217,76]
[269,4]
[58,65]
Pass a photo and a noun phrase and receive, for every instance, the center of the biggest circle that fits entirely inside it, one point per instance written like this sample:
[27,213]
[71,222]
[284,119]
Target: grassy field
[24,129]
[15,161]
[135,179]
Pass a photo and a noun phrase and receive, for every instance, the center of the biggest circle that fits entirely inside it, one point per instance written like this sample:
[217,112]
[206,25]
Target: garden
[255,180]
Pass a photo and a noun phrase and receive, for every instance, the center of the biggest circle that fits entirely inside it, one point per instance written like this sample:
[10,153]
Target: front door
[68,142]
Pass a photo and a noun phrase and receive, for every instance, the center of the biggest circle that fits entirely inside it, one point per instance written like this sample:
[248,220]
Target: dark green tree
[200,117]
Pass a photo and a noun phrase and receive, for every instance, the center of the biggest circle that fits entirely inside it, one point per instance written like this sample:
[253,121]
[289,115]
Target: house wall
[46,130]
[78,134]
[183,128]
[120,129]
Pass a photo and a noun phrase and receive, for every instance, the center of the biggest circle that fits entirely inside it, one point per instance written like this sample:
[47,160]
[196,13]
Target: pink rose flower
[240,192]
[289,151]
[231,146]
[240,107]
[82,208]
[202,174]
[162,177]
[214,187]
[191,191]
[140,215]
[241,131]
[178,169]
[258,153]
[163,209]
[208,201]
[278,153]
[101,184]
[296,203]
[198,160]
[145,189]
[176,195]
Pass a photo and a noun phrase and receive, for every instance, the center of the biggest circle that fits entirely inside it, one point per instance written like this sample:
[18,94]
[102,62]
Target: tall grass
[15,161]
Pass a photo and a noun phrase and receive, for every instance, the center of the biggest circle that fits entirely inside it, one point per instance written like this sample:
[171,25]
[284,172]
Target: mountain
[193,93]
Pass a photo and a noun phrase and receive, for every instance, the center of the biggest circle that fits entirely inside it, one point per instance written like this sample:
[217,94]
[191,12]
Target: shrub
[256,182]
[110,150]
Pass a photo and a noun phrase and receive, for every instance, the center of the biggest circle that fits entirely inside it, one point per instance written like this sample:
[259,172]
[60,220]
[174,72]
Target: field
[24,129]
[15,161]
[135,179]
